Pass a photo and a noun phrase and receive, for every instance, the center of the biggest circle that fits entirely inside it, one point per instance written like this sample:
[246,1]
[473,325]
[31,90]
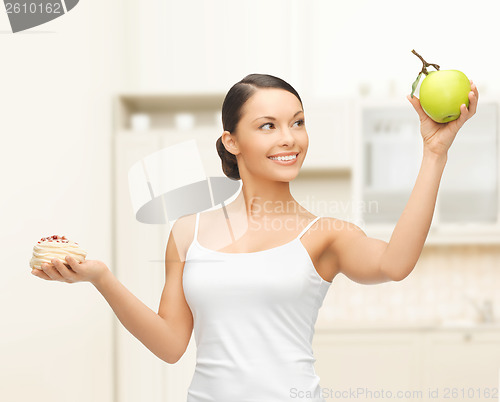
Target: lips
[291,160]
[283,154]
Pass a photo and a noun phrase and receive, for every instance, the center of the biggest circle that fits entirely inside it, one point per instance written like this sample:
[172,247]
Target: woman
[250,277]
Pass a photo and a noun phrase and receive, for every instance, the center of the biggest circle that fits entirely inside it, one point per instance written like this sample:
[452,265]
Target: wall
[329,48]
[57,80]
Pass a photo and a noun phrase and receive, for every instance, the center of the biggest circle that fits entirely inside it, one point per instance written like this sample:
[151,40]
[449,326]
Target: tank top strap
[196,227]
[307,227]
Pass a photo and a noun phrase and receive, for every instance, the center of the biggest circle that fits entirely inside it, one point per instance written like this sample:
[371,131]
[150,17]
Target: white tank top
[254,316]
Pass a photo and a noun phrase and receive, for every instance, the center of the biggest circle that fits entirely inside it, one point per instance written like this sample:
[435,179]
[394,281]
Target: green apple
[442,93]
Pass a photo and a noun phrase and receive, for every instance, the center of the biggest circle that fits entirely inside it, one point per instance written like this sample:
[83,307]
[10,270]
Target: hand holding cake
[55,246]
[57,258]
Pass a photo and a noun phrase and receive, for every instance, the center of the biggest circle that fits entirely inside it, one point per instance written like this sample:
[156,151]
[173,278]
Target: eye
[301,121]
[265,125]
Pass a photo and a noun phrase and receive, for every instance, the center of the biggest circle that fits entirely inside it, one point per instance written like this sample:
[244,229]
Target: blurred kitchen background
[91,93]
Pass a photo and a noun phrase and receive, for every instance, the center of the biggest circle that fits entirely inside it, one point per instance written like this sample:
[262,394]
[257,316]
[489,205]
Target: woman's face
[272,122]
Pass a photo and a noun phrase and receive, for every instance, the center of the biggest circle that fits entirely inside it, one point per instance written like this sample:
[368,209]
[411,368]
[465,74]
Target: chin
[286,177]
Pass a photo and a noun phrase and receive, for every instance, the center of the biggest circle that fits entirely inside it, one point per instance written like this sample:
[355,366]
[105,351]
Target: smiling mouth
[284,158]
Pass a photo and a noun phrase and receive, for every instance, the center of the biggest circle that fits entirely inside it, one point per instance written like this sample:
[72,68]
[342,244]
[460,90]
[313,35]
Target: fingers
[464,115]
[467,113]
[473,88]
[67,274]
[56,271]
[39,272]
[473,98]
[73,264]
[51,271]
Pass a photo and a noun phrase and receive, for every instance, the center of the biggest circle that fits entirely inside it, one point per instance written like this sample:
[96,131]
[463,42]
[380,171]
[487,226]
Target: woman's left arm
[367,260]
[408,237]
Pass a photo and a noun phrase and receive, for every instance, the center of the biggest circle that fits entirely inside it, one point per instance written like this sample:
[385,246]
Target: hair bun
[228,160]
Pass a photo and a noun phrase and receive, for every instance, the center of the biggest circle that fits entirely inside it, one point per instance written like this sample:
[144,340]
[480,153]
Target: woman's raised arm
[367,260]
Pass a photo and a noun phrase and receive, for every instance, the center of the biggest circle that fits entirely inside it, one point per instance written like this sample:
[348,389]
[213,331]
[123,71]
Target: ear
[230,143]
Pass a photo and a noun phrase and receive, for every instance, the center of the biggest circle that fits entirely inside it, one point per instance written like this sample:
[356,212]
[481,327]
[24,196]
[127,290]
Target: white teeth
[283,158]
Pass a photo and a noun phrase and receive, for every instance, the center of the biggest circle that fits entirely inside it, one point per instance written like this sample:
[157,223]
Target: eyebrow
[272,118]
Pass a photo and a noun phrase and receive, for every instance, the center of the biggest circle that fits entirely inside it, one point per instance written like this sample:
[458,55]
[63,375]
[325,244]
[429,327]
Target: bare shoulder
[182,234]
[338,231]
[339,227]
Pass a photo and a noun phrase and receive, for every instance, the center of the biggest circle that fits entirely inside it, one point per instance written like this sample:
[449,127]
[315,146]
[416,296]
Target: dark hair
[231,112]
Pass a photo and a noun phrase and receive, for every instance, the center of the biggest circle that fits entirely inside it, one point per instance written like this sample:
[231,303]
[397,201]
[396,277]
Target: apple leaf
[415,83]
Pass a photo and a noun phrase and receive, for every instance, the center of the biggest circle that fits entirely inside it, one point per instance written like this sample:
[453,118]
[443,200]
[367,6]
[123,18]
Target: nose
[287,137]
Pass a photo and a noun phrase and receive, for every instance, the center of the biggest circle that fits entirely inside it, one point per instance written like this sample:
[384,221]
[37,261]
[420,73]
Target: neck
[271,198]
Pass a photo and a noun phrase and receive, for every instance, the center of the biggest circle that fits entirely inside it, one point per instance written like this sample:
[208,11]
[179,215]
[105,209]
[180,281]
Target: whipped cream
[55,246]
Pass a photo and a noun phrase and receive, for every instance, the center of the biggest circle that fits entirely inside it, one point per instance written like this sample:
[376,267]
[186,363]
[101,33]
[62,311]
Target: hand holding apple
[442,92]
[447,101]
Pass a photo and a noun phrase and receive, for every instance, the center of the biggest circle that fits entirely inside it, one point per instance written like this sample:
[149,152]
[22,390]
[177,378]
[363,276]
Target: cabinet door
[366,363]
[468,192]
[463,365]
[388,157]
[139,266]
[199,46]
[330,127]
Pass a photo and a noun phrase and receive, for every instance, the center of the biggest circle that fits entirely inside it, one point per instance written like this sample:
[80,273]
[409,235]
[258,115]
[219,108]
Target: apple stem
[425,64]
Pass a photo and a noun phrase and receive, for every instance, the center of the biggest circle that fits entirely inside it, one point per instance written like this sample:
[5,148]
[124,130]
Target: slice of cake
[55,246]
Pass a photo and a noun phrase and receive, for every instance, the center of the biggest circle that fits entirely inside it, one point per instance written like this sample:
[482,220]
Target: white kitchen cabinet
[145,124]
[388,154]
[208,46]
[416,362]
[174,118]
[364,362]
[138,266]
[463,364]
[330,125]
